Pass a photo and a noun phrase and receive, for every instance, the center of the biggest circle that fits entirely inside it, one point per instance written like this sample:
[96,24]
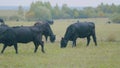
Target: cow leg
[4,47]
[74,43]
[46,37]
[94,39]
[40,42]
[16,48]
[42,46]
[88,40]
[36,46]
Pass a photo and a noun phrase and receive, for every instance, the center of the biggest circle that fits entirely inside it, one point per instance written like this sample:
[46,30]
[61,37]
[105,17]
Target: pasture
[105,55]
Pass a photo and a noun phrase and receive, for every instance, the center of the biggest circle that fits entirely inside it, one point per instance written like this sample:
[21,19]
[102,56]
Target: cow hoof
[1,52]
[43,51]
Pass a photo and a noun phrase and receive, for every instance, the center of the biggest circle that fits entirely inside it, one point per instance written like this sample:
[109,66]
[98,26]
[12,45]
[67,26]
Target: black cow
[51,22]
[23,34]
[109,22]
[79,30]
[47,31]
[2,21]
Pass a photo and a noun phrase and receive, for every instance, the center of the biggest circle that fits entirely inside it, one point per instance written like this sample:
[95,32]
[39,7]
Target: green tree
[75,13]
[118,9]
[48,5]
[56,12]
[43,10]
[30,15]
[39,11]
[115,18]
[66,12]
[42,13]
[21,13]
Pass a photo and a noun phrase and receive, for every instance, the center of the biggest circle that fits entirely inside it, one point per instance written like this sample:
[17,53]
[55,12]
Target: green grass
[105,55]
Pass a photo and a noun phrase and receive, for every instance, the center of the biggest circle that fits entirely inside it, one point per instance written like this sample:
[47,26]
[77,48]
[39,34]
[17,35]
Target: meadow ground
[105,55]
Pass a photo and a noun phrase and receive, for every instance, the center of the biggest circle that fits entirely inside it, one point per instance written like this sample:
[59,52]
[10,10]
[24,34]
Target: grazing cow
[2,21]
[47,31]
[22,34]
[79,30]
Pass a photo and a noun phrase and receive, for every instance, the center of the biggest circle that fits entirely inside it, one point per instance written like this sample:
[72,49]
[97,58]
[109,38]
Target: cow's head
[52,38]
[63,43]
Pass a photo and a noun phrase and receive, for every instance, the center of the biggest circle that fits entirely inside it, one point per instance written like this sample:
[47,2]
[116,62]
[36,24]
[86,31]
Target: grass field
[105,55]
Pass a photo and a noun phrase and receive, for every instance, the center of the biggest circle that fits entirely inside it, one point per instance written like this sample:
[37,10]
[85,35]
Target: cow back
[25,34]
[81,30]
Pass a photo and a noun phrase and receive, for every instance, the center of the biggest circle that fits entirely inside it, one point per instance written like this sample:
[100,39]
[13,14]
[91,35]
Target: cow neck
[50,31]
[67,35]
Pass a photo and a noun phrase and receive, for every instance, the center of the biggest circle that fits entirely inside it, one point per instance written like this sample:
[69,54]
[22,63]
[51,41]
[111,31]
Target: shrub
[115,18]
[111,38]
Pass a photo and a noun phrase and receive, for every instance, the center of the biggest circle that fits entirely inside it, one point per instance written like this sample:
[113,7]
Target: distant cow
[109,22]
[22,34]
[1,21]
[47,31]
[79,30]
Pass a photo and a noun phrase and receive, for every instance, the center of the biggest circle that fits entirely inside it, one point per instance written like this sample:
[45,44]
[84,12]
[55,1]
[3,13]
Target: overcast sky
[73,3]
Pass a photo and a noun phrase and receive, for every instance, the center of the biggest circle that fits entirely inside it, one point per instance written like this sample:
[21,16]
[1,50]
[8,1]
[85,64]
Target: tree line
[44,11]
